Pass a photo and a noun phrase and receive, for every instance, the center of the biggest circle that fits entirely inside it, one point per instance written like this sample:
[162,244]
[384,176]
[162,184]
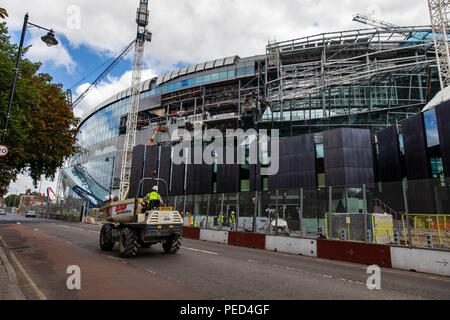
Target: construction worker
[232,220]
[220,220]
[153,199]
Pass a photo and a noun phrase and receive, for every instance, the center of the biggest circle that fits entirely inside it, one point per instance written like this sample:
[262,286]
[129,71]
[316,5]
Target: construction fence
[405,213]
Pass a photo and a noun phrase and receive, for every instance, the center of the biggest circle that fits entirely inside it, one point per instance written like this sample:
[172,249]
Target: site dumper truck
[135,225]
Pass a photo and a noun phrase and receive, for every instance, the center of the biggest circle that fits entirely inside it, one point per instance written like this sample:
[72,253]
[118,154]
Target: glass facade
[103,125]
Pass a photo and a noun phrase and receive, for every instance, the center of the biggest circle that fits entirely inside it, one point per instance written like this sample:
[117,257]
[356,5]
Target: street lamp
[49,40]
[112,175]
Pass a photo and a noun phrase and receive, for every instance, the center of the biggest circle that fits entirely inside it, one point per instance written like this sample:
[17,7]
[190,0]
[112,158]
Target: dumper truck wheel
[106,237]
[128,243]
[172,245]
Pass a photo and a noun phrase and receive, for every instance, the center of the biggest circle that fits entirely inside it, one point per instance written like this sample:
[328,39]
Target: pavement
[44,249]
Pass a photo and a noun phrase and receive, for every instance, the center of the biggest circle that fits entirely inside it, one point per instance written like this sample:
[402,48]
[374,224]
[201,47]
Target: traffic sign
[3,151]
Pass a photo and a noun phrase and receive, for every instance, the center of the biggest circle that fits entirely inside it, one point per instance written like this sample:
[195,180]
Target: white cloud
[58,55]
[199,30]
[105,89]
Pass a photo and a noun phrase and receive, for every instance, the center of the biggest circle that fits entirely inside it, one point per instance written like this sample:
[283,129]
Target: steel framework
[439,20]
[301,67]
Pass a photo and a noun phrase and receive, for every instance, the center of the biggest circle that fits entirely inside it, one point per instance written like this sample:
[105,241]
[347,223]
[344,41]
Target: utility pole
[143,35]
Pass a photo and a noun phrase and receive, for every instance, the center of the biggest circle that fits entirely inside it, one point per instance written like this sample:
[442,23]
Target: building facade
[327,94]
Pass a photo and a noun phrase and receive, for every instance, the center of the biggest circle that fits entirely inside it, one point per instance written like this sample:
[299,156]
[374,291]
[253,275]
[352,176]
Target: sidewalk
[9,287]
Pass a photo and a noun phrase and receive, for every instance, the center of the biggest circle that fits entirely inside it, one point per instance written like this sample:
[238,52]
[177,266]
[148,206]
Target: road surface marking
[252,261]
[202,251]
[30,281]
[61,225]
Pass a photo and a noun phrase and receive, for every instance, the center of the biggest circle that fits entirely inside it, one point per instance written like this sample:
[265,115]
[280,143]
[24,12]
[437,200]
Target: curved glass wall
[103,125]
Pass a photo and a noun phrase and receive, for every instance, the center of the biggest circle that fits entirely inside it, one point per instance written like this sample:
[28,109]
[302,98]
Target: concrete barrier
[214,236]
[305,247]
[363,253]
[421,260]
[248,240]
[191,233]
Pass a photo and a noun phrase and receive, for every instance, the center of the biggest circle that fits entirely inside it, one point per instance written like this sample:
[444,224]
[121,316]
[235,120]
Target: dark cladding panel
[178,175]
[136,170]
[228,176]
[164,168]
[443,121]
[151,165]
[348,157]
[389,168]
[417,166]
[297,163]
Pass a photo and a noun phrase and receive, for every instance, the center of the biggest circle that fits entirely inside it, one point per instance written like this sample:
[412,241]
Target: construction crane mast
[439,21]
[143,35]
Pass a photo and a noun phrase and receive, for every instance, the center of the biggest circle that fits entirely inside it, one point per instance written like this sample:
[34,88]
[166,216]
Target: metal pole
[255,212]
[207,210]
[302,230]
[330,209]
[405,199]
[365,211]
[16,73]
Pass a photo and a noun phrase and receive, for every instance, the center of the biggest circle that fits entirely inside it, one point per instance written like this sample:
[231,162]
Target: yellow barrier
[436,226]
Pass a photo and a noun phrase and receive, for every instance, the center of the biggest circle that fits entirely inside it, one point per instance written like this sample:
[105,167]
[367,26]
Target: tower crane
[143,35]
[439,21]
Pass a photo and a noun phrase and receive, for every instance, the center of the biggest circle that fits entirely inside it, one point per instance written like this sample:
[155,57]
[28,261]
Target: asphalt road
[201,270]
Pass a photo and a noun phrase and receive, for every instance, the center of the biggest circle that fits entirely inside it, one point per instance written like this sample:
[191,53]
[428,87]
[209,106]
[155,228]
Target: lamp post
[112,175]
[50,40]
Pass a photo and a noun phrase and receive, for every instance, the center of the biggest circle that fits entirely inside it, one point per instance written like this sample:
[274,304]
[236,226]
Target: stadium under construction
[329,95]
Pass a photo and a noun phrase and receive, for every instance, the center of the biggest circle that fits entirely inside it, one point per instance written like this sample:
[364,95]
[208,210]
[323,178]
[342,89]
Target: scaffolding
[305,66]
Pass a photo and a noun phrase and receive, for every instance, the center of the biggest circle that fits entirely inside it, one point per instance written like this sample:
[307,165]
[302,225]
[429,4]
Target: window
[401,143]
[437,168]
[431,128]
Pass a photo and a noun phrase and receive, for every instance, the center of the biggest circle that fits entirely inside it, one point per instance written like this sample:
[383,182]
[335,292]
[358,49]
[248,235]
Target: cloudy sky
[184,32]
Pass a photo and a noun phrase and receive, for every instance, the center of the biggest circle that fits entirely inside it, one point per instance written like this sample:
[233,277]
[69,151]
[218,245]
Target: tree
[42,129]
[3,13]
[13,200]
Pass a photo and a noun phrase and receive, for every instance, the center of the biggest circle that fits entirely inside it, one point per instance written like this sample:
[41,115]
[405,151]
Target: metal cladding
[348,157]
[389,167]
[297,163]
[150,166]
[443,121]
[417,165]
[228,176]
[136,170]
[199,178]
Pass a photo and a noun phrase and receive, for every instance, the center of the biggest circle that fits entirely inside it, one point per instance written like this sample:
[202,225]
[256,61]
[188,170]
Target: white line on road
[252,261]
[202,251]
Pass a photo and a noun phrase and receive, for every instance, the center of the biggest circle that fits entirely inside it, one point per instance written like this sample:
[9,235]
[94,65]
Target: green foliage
[13,200]
[42,128]
[3,13]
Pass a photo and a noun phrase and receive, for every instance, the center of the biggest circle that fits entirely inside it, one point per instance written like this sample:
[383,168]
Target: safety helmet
[155,188]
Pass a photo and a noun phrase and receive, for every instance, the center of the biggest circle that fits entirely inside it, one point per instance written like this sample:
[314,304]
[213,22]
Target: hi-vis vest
[153,196]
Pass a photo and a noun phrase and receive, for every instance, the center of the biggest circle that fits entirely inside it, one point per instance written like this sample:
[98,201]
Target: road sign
[3,151]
